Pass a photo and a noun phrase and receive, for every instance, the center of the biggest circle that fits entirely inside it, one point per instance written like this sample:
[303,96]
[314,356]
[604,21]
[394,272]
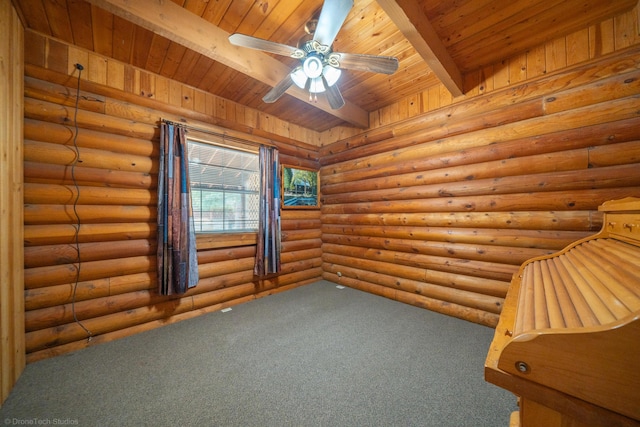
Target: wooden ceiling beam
[168,19]
[414,24]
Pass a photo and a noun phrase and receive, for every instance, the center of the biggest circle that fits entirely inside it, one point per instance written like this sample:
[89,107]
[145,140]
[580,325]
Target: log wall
[440,210]
[109,212]
[12,359]
[451,196]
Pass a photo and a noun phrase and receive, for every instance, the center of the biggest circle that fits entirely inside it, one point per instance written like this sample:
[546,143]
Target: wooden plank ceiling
[434,40]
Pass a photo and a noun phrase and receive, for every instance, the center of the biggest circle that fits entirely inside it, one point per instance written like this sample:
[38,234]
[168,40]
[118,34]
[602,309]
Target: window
[224,188]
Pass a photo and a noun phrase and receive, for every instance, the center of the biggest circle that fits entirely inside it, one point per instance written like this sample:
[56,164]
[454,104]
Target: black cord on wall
[79,67]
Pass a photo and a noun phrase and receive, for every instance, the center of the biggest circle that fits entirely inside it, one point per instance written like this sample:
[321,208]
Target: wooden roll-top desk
[568,340]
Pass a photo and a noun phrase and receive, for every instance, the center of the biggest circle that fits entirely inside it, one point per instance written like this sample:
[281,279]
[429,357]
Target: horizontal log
[302,265]
[287,257]
[311,163]
[298,245]
[91,270]
[38,256]
[518,166]
[87,195]
[270,285]
[481,285]
[487,270]
[208,284]
[49,296]
[606,177]
[566,139]
[273,288]
[63,294]
[552,200]
[602,90]
[537,239]
[443,128]
[370,137]
[224,240]
[39,214]
[131,111]
[42,173]
[300,224]
[96,307]
[43,152]
[561,220]
[225,254]
[491,253]
[609,155]
[336,261]
[53,133]
[133,282]
[299,214]
[221,295]
[51,92]
[465,313]
[54,113]
[456,296]
[38,235]
[339,139]
[292,235]
[219,268]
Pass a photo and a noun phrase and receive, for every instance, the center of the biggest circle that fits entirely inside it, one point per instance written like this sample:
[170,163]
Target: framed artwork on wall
[300,188]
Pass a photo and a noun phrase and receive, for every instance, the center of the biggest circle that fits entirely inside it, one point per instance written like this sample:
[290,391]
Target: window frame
[219,239]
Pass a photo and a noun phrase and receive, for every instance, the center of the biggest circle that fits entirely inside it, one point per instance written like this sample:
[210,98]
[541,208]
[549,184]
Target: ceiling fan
[320,67]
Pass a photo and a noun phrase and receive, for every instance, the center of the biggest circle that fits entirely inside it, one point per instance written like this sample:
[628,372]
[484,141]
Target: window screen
[225,188]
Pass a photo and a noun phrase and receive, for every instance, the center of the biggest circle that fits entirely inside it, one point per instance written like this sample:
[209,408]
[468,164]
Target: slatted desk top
[570,326]
[594,283]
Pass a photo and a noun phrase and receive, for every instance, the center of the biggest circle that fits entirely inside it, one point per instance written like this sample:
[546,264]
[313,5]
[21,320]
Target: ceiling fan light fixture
[320,68]
[312,66]
[316,85]
[331,74]
[299,77]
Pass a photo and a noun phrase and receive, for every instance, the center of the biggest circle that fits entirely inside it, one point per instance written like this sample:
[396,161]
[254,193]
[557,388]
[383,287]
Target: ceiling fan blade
[265,45]
[336,101]
[372,63]
[332,16]
[278,90]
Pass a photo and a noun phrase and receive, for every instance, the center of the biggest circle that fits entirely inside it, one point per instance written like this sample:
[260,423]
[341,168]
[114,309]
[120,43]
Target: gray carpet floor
[313,356]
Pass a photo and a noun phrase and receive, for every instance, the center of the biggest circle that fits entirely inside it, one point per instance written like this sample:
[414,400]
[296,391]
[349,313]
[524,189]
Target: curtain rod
[218,134]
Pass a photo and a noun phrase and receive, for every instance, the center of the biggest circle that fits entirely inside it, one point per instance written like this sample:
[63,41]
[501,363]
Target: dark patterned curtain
[268,244]
[177,257]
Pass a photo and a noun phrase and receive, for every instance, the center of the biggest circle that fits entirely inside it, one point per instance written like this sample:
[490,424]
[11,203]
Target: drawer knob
[522,367]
